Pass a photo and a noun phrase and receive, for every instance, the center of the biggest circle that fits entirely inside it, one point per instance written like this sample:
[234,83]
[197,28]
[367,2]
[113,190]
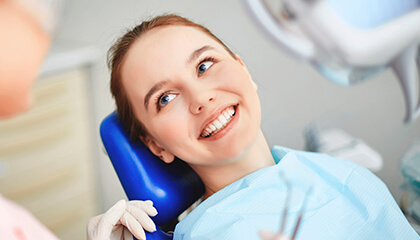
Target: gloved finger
[147,206]
[141,216]
[127,235]
[267,235]
[92,224]
[117,233]
[133,226]
[110,218]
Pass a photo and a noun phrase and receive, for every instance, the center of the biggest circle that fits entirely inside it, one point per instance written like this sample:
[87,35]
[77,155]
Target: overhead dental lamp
[349,41]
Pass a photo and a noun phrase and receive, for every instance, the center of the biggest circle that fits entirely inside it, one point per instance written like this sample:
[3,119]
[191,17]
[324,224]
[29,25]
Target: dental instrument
[280,235]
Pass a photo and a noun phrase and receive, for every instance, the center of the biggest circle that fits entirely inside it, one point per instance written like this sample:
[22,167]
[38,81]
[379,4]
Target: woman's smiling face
[197,102]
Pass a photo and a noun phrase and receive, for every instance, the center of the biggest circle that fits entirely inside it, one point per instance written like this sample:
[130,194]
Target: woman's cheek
[231,75]
[171,129]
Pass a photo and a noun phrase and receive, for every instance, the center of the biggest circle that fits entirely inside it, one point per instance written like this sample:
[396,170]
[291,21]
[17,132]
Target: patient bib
[346,202]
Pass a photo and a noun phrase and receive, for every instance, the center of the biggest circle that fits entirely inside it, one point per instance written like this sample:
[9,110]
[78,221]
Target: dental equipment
[349,41]
[340,144]
[286,210]
[266,235]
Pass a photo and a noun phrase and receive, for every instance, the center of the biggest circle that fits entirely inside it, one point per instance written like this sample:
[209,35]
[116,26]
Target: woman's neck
[215,178]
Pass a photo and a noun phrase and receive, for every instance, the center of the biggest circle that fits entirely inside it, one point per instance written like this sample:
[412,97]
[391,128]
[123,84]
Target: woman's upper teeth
[219,123]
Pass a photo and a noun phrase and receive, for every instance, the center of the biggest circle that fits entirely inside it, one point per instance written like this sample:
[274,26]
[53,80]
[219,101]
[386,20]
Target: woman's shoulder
[322,164]
[280,152]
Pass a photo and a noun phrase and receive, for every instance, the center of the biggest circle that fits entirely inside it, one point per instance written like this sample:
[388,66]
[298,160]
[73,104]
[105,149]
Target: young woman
[182,92]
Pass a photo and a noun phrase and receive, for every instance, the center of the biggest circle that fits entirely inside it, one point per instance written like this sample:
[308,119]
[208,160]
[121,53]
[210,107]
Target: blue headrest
[172,187]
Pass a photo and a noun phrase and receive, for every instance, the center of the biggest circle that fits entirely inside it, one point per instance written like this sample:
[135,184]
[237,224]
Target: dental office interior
[52,160]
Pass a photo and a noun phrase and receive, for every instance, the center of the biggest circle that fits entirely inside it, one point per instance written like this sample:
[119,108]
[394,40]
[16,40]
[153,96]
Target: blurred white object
[349,41]
[337,143]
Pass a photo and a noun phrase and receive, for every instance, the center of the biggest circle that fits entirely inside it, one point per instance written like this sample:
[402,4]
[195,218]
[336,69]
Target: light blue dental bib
[347,202]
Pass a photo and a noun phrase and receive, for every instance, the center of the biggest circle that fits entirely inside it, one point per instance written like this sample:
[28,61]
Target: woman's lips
[219,123]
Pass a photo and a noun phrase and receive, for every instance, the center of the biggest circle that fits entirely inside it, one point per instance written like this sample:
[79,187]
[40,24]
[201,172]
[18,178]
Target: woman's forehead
[167,46]
[180,40]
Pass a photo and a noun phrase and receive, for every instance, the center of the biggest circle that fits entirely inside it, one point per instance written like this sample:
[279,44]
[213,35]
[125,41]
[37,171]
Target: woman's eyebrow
[194,55]
[152,90]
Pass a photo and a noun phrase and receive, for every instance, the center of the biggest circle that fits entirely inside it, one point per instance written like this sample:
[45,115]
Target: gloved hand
[122,221]
[267,235]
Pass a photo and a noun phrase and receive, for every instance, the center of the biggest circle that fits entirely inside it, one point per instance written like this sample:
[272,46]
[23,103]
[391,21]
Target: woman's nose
[200,102]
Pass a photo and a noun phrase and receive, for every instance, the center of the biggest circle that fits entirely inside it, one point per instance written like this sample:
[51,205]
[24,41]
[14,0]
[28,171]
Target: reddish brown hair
[116,56]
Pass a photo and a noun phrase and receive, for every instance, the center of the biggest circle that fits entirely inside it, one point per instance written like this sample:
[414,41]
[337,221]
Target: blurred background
[61,172]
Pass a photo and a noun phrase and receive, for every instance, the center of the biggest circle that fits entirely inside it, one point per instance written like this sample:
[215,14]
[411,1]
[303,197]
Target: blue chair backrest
[172,187]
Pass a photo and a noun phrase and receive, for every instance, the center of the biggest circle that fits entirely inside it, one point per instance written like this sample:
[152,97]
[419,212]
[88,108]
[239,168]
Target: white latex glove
[122,221]
[267,235]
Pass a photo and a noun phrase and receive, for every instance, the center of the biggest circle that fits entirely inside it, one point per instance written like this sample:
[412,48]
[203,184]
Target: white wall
[292,93]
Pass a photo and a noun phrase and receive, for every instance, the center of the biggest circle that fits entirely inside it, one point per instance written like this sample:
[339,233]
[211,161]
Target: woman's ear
[157,149]
[246,69]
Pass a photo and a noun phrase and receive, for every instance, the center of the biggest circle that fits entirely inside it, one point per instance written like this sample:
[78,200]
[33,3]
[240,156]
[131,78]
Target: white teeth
[222,119]
[219,123]
[227,116]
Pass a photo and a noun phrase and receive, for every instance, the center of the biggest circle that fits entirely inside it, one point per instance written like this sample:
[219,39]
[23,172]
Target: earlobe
[167,156]
[158,150]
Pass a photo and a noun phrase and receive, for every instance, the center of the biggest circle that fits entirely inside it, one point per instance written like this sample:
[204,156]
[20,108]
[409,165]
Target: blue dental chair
[172,187]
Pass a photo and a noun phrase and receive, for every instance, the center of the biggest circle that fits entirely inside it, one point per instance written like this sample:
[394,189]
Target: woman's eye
[204,66]
[165,99]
